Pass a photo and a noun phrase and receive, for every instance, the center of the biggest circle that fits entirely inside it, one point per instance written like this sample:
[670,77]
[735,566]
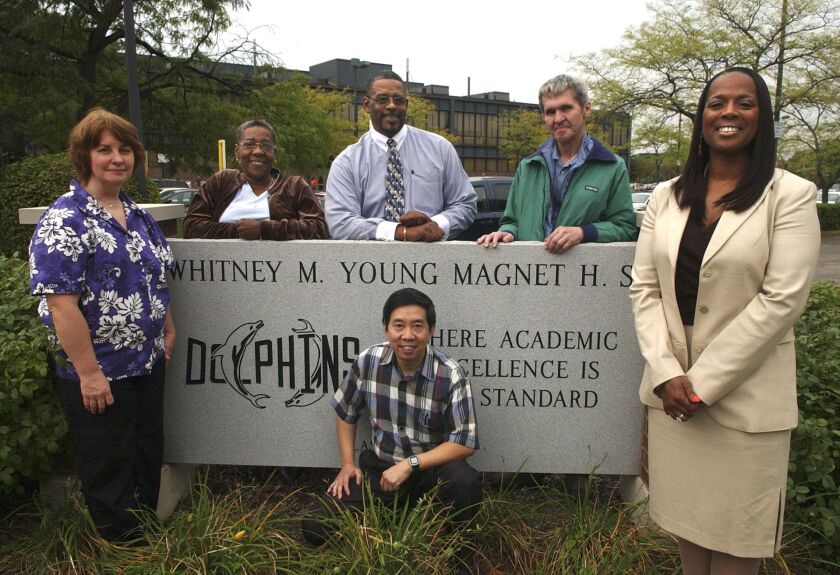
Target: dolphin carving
[303,398]
[310,393]
[230,356]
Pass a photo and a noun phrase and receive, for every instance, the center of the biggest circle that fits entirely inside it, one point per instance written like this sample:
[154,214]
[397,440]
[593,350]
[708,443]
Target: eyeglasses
[250,146]
[383,100]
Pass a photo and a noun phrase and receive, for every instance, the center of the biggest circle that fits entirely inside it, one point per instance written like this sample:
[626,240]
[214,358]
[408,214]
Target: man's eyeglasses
[250,146]
[383,100]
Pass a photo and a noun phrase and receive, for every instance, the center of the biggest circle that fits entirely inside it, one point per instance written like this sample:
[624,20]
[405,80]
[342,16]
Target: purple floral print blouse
[119,274]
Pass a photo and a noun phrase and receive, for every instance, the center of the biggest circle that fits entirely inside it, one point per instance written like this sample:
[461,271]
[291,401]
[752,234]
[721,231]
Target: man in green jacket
[572,189]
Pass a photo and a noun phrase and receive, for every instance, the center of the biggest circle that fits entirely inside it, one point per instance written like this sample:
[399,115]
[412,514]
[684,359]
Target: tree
[804,163]
[813,122]
[310,124]
[187,129]
[663,65]
[520,133]
[59,58]
[665,143]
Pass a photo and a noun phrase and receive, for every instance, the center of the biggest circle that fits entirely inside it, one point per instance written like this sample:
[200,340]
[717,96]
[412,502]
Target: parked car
[640,200]
[179,196]
[491,197]
[166,192]
[164,183]
[833,197]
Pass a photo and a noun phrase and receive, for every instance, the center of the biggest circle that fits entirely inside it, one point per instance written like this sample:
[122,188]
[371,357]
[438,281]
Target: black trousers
[461,488]
[118,453]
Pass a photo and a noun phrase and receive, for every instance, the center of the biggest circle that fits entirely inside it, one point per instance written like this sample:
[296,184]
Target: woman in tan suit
[723,267]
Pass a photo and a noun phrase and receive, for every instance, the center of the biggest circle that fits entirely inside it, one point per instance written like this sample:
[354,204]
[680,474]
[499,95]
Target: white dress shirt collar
[381,140]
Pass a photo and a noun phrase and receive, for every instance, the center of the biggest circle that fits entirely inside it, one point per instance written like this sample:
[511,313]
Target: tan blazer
[754,282]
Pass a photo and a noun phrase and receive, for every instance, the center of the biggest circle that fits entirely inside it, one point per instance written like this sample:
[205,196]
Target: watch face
[414,461]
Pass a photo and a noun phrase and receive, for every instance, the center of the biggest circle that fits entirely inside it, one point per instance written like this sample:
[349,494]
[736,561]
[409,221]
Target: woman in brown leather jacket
[258,202]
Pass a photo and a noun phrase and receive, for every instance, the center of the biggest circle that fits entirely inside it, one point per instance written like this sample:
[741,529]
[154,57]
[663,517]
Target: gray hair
[559,84]
[256,124]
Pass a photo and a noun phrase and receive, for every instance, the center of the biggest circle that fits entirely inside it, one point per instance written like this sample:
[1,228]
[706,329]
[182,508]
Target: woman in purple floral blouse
[99,263]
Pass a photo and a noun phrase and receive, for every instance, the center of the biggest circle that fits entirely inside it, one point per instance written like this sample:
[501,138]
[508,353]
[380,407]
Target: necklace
[109,204]
[271,180]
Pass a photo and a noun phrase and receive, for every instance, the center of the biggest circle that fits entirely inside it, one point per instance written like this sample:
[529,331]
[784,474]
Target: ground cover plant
[247,520]
[32,426]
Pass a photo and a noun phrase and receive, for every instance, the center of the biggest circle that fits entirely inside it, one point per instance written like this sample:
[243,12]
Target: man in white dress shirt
[397,182]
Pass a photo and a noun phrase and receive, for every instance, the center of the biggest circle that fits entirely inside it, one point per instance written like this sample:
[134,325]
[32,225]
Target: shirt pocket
[425,184]
[430,425]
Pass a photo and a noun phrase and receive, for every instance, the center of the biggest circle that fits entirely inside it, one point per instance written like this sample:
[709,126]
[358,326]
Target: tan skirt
[717,487]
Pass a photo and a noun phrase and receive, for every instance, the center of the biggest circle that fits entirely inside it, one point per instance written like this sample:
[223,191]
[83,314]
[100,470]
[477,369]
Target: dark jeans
[461,488]
[118,453]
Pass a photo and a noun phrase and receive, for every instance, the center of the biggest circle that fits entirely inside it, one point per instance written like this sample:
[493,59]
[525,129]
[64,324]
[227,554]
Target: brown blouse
[695,240]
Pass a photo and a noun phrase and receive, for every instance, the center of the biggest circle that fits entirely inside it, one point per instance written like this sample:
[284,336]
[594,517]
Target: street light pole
[133,88]
[356,63]
[777,113]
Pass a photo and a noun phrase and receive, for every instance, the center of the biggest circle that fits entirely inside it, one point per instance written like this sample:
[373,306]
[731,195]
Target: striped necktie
[395,201]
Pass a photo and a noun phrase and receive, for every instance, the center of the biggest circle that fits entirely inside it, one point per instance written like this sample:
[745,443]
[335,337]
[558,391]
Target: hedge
[814,475]
[36,182]
[829,215]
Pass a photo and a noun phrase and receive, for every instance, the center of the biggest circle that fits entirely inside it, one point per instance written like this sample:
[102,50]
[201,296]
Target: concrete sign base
[267,330]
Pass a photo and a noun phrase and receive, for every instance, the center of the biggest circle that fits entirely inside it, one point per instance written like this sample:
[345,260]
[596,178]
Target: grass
[247,520]
[580,527]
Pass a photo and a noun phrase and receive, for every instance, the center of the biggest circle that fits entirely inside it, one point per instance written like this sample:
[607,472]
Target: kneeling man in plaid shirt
[420,409]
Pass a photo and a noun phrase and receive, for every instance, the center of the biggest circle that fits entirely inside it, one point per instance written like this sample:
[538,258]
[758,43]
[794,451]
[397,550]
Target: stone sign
[267,330]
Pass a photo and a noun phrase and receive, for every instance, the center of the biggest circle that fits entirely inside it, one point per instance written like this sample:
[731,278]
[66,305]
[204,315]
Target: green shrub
[32,425]
[36,182]
[829,215]
[814,478]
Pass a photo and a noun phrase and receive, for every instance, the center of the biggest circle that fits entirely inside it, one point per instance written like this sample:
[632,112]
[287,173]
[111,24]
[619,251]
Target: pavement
[828,266]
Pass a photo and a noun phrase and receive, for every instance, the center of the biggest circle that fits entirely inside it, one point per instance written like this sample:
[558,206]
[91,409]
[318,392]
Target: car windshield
[639,198]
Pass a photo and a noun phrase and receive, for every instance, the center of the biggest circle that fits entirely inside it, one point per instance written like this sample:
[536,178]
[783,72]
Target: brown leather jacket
[293,209]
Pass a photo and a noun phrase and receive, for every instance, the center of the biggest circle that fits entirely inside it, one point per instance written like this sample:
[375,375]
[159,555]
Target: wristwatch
[414,462]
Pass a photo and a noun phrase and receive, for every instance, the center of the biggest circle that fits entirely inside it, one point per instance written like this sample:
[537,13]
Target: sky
[501,46]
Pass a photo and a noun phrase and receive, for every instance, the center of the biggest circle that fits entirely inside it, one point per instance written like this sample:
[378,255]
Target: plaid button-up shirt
[408,416]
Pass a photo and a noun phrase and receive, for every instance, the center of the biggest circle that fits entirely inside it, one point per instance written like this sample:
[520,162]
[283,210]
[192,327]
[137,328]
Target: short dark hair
[690,187]
[255,124]
[409,296]
[85,137]
[384,75]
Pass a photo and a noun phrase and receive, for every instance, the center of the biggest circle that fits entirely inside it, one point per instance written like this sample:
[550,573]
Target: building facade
[475,120]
